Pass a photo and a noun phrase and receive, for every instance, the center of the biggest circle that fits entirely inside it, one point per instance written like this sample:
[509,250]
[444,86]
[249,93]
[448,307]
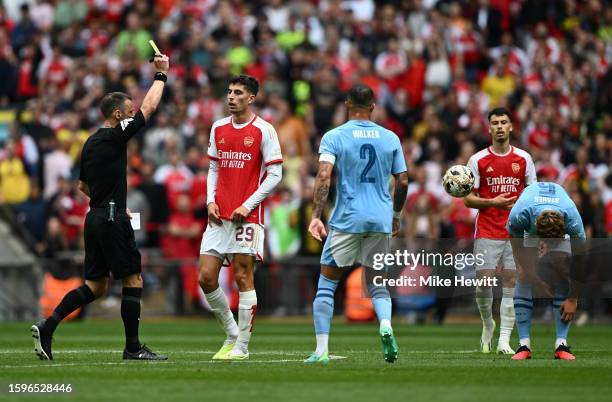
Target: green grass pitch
[436,363]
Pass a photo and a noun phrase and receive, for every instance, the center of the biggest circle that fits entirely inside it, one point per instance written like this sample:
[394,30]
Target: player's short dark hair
[499,111]
[112,102]
[360,95]
[250,83]
[550,225]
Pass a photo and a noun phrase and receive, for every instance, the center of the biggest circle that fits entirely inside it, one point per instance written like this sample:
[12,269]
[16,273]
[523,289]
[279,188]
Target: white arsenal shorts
[495,253]
[233,238]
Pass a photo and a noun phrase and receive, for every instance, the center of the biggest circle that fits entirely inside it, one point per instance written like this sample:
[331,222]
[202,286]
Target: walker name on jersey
[232,159]
[366,134]
[503,184]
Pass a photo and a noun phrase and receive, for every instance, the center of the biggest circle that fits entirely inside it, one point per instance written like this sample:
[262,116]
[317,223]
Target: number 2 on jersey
[371,155]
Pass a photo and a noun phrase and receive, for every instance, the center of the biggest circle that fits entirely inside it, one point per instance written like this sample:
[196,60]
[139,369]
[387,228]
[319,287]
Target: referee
[109,238]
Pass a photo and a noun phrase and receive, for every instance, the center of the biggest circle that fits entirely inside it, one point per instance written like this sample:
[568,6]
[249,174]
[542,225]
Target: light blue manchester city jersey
[366,155]
[539,197]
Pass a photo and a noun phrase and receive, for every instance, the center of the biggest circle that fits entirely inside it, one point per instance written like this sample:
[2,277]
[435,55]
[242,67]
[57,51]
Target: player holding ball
[501,172]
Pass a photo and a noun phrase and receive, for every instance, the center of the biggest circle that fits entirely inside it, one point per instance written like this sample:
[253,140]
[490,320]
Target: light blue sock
[561,328]
[523,309]
[382,303]
[323,305]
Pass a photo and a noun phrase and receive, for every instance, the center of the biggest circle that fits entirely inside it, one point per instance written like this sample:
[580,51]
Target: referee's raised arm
[151,100]
[118,108]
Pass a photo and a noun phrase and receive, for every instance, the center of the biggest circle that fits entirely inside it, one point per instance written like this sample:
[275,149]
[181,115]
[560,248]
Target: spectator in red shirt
[184,231]
[182,242]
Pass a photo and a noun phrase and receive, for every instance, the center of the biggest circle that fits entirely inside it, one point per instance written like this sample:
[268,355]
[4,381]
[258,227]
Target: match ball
[458,181]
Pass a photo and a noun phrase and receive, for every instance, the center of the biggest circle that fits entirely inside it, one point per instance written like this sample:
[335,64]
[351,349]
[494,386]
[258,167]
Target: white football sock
[525,342]
[322,342]
[247,306]
[559,342]
[506,314]
[484,300]
[220,308]
[385,324]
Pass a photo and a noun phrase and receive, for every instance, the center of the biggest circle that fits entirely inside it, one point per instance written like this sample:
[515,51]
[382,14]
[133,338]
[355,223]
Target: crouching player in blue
[540,223]
[365,156]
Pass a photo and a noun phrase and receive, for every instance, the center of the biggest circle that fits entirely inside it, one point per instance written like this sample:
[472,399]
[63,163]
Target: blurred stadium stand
[20,273]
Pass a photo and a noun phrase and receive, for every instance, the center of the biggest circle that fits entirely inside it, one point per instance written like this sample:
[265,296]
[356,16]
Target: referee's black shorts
[109,246]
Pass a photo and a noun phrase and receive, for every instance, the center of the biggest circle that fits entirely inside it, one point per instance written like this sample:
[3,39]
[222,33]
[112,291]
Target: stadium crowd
[436,68]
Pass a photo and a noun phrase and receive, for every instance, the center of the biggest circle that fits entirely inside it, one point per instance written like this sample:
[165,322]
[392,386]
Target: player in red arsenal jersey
[502,172]
[245,166]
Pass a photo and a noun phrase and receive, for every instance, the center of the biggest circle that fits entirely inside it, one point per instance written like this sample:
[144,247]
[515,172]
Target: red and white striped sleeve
[212,145]
[473,166]
[270,147]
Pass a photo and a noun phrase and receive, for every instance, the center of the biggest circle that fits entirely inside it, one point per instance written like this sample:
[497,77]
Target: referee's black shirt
[104,162]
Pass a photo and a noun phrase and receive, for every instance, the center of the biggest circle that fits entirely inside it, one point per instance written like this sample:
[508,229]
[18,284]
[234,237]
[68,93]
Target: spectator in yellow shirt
[73,134]
[14,180]
[501,84]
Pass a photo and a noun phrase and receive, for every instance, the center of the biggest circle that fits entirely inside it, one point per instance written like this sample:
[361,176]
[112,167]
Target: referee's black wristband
[160,77]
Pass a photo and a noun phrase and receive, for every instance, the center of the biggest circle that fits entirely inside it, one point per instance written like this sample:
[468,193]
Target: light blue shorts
[346,249]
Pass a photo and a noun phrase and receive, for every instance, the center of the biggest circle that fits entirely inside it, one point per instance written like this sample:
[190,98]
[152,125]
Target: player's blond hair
[550,225]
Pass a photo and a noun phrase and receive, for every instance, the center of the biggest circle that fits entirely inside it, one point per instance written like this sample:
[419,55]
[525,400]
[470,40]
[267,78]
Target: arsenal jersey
[496,174]
[243,152]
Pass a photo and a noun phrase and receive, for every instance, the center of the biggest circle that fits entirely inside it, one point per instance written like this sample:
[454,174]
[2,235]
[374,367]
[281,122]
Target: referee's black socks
[130,313]
[73,300]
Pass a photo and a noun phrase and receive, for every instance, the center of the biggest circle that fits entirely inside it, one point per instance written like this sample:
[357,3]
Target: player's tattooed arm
[401,190]
[321,190]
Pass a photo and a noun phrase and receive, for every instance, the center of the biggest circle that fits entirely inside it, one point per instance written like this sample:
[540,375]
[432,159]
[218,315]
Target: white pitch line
[263,353]
[439,352]
[165,363]
[266,352]
[187,352]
